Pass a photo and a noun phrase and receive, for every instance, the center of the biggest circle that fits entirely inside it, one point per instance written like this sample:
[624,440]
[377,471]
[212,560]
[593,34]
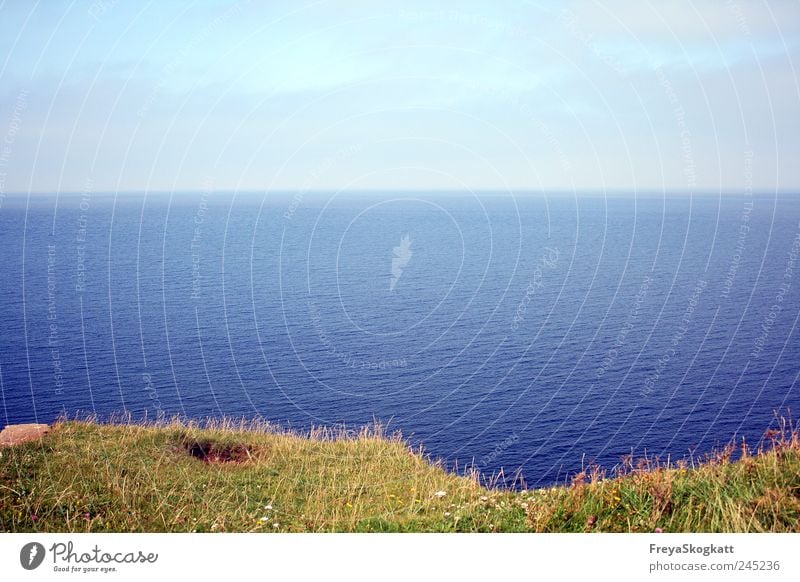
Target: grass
[251,477]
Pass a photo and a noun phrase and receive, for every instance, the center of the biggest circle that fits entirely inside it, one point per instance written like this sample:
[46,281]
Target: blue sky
[677,96]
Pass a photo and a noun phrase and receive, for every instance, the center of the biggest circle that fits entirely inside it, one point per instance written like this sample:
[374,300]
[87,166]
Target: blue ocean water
[533,332]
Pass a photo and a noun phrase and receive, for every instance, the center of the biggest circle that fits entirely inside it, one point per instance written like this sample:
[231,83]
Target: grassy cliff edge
[85,476]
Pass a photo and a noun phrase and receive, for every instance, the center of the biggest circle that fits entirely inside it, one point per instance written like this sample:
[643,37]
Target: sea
[527,335]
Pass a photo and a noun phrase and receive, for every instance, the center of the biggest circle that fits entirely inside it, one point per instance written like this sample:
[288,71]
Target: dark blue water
[530,332]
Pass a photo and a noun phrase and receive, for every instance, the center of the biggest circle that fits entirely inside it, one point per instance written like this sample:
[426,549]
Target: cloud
[258,93]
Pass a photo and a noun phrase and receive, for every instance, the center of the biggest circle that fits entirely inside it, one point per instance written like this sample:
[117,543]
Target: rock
[15,434]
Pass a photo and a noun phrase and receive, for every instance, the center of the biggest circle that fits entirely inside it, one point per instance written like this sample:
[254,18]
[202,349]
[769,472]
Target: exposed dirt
[211,451]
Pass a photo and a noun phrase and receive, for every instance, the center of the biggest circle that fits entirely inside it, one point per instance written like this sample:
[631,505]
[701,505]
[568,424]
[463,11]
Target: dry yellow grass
[252,476]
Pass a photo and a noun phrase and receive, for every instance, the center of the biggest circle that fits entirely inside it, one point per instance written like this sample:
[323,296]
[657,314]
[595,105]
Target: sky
[116,95]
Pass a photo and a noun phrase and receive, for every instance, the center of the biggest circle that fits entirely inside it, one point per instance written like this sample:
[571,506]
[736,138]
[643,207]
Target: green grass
[85,476]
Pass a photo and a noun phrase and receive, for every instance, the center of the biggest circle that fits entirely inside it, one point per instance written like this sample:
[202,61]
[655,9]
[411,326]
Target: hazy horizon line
[503,191]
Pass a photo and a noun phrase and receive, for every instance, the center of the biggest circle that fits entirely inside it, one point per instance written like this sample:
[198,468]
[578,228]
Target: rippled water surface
[533,332]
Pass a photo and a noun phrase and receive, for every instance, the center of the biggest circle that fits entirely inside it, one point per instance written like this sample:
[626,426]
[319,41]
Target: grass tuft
[249,475]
